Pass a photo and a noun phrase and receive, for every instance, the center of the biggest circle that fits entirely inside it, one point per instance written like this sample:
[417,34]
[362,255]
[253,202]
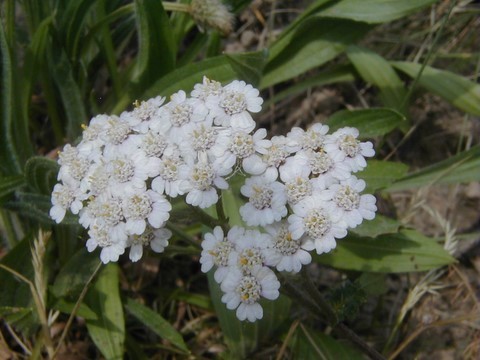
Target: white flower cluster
[301,191]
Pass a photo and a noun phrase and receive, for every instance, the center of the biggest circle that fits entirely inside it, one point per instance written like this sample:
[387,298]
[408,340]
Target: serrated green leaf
[41,174]
[381,174]
[309,344]
[377,71]
[375,11]
[407,251]
[248,66]
[456,89]
[9,184]
[312,46]
[9,162]
[74,274]
[156,323]
[463,167]
[156,54]
[369,122]
[378,226]
[108,331]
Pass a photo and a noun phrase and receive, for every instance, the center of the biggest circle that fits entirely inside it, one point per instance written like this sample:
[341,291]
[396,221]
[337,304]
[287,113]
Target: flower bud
[212,14]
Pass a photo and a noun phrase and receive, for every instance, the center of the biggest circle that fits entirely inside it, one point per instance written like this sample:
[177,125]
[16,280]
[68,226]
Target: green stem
[182,234]
[209,220]
[172,6]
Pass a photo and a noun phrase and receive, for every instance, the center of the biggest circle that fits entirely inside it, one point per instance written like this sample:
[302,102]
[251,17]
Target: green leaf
[463,167]
[67,307]
[309,344]
[108,331]
[184,78]
[369,122]
[248,66]
[373,284]
[378,226]
[156,53]
[9,162]
[381,174]
[75,274]
[41,174]
[156,323]
[72,102]
[406,251]
[456,89]
[32,206]
[71,23]
[377,71]
[375,11]
[16,293]
[330,76]
[313,44]
[9,184]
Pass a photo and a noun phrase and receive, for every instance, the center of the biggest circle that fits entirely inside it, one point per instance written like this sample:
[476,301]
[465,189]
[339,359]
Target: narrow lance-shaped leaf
[406,251]
[381,174]
[312,46]
[156,53]
[377,71]
[156,323]
[308,344]
[41,174]
[375,11]
[108,330]
[9,162]
[463,167]
[369,122]
[456,89]
[70,95]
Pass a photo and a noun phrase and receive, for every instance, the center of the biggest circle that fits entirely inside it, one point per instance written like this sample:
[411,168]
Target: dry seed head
[212,14]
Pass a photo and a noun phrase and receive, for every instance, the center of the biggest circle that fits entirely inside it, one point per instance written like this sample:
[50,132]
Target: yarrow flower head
[299,192]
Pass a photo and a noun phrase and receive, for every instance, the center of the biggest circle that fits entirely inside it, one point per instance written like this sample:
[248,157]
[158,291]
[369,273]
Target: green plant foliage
[456,89]
[9,184]
[462,167]
[406,251]
[381,174]
[74,274]
[378,226]
[369,122]
[346,300]
[156,55]
[377,71]
[9,162]
[41,174]
[156,323]
[316,42]
[375,11]
[310,344]
[108,330]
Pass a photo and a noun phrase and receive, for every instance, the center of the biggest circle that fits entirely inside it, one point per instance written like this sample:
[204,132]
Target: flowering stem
[172,6]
